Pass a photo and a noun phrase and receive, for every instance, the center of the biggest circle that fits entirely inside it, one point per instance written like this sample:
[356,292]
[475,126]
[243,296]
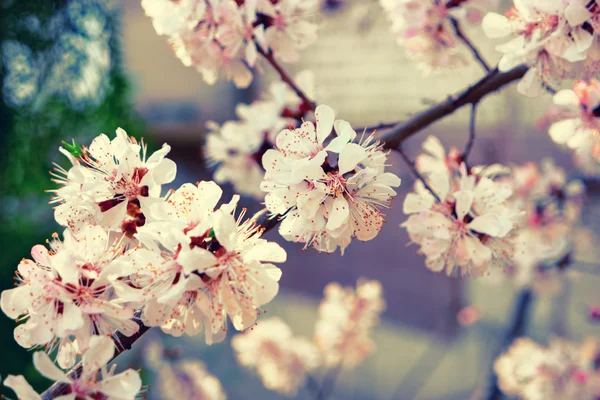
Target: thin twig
[285,77]
[469,44]
[413,168]
[392,139]
[379,126]
[469,145]
[312,385]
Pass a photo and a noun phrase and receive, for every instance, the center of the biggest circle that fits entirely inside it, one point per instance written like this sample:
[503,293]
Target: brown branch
[285,77]
[467,42]
[122,344]
[370,128]
[416,173]
[493,81]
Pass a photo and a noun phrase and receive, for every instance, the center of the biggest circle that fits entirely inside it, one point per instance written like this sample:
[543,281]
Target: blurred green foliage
[62,78]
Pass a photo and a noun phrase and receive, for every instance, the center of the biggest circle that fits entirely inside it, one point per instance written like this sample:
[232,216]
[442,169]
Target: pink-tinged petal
[562,131]
[324,116]
[46,367]
[113,218]
[267,285]
[21,387]
[496,25]
[488,224]
[350,157]
[338,214]
[464,200]
[123,386]
[440,184]
[266,251]
[98,355]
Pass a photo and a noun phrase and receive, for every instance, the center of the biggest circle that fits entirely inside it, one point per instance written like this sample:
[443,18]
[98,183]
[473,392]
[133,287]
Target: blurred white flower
[425,30]
[346,319]
[555,38]
[189,380]
[280,358]
[222,36]
[95,380]
[563,370]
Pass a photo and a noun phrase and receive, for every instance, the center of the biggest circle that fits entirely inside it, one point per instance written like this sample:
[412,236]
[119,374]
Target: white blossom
[95,380]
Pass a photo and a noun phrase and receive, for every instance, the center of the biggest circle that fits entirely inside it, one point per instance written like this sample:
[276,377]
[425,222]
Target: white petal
[164,172]
[464,200]
[267,251]
[562,131]
[123,386]
[98,355]
[46,367]
[21,387]
[351,155]
[488,224]
[339,213]
[577,13]
[225,230]
[414,203]
[324,116]
[566,97]
[496,25]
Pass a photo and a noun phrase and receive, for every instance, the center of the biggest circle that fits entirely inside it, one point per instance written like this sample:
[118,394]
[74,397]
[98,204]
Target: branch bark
[393,138]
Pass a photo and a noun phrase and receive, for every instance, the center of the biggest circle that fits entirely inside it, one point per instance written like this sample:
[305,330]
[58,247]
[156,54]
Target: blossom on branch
[110,184]
[578,126]
[330,191]
[281,359]
[236,147]
[551,235]
[346,320]
[472,229]
[557,39]
[94,382]
[218,36]
[425,29]
[563,370]
[201,265]
[65,294]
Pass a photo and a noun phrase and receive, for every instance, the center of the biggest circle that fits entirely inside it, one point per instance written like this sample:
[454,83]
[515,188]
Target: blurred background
[77,68]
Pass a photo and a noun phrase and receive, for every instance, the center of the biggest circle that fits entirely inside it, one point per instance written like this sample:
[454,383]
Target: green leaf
[74,149]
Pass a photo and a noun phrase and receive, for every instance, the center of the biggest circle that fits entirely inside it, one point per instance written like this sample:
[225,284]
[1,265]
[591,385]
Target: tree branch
[285,77]
[413,168]
[460,34]
[493,81]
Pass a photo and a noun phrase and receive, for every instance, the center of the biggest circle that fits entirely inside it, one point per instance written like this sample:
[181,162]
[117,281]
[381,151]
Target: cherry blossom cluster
[236,147]
[557,39]
[463,222]
[550,231]
[226,36]
[280,358]
[346,320]
[575,121]
[330,191]
[94,382]
[342,338]
[426,28]
[178,378]
[185,265]
[563,370]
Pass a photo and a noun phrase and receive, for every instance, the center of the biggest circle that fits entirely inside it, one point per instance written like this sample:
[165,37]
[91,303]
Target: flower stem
[469,44]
